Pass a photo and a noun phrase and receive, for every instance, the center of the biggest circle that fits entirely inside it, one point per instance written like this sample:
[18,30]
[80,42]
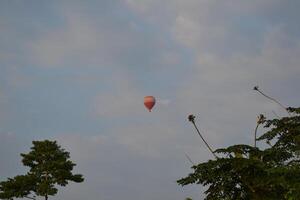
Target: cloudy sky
[77,72]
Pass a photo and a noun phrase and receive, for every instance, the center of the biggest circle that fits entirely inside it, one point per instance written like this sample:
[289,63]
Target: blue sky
[77,72]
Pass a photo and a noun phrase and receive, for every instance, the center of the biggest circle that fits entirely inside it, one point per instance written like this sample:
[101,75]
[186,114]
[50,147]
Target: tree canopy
[245,172]
[49,166]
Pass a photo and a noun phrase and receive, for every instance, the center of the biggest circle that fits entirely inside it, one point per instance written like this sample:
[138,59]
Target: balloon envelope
[149,102]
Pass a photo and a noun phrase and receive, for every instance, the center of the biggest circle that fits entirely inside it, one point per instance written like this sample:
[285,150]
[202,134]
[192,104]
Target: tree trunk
[46,196]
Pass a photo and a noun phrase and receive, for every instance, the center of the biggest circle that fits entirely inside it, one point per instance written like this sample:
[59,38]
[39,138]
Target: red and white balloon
[149,102]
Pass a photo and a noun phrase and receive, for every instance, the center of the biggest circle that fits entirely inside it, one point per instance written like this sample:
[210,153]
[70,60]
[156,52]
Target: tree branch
[272,99]
[30,197]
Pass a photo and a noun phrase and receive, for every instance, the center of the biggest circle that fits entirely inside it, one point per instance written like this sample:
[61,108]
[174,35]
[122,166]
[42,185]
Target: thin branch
[272,99]
[274,113]
[260,120]
[255,133]
[269,143]
[192,120]
[30,197]
[189,159]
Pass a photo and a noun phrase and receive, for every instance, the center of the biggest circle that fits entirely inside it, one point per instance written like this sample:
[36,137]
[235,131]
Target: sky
[77,72]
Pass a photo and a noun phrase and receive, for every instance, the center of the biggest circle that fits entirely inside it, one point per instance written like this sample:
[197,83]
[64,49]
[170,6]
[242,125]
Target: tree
[49,166]
[245,172]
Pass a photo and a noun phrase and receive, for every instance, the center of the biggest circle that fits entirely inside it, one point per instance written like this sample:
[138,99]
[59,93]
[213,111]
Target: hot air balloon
[149,102]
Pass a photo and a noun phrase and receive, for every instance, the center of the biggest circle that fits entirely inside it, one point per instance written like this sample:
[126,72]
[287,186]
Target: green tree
[245,172]
[49,167]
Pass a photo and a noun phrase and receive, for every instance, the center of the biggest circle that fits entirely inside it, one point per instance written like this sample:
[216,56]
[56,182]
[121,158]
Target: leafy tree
[49,166]
[245,172]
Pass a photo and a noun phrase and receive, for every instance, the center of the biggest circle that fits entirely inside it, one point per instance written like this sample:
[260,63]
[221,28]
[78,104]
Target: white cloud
[83,40]
[120,100]
[221,87]
[229,62]
[5,114]
[164,102]
[132,154]
[16,78]
[10,148]
[135,145]
[141,5]
[195,34]
[79,39]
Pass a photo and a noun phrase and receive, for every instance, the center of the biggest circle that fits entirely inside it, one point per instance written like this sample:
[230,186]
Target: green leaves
[18,186]
[224,177]
[245,172]
[49,166]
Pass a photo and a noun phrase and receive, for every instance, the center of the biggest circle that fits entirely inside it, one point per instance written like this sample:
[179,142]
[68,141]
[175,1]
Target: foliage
[49,166]
[245,172]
